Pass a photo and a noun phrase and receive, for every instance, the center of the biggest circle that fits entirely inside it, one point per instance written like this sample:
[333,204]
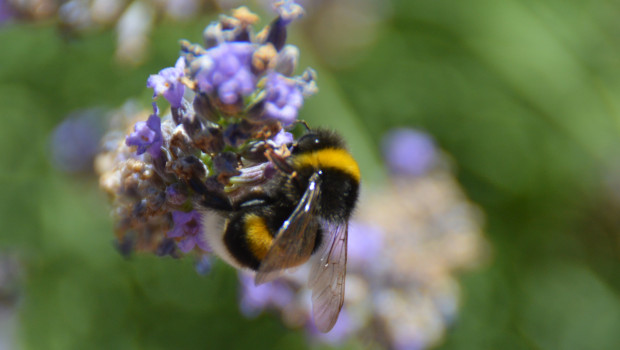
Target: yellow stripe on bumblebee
[258,236]
[330,158]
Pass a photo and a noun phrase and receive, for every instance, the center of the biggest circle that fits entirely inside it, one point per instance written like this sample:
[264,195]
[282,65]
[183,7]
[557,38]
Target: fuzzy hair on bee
[301,212]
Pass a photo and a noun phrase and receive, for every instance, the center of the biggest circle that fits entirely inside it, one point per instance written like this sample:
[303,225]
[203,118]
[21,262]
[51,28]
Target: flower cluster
[229,99]
[405,243]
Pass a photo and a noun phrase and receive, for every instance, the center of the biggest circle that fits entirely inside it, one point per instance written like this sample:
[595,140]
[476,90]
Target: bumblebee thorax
[338,194]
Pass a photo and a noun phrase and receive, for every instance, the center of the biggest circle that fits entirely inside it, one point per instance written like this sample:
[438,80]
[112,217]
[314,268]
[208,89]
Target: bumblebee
[301,212]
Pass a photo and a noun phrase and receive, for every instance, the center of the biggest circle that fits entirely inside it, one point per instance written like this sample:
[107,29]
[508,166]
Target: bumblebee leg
[278,161]
[210,199]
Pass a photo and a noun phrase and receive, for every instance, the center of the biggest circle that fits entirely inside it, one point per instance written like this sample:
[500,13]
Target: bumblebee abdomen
[247,239]
[248,235]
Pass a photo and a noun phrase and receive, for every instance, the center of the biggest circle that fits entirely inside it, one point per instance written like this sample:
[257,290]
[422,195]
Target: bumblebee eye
[306,143]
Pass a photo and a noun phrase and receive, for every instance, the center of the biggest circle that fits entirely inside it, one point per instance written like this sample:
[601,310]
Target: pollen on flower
[263,56]
[245,16]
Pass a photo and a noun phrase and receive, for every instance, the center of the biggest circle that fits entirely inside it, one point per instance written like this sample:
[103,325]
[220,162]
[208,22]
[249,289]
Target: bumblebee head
[316,140]
[323,151]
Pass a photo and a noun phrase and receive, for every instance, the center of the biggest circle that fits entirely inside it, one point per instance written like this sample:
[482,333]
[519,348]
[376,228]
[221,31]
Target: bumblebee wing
[327,278]
[295,240]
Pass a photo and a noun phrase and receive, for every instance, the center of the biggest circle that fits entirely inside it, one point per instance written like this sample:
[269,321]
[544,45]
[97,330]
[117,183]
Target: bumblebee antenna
[297,122]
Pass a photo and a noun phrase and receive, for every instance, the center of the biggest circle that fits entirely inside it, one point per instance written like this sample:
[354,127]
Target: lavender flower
[167,83]
[187,145]
[188,230]
[225,71]
[283,98]
[409,152]
[147,135]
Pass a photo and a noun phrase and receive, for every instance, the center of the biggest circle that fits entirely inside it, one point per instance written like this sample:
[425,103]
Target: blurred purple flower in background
[255,299]
[225,70]
[188,230]
[409,152]
[75,142]
[147,135]
[167,83]
[365,246]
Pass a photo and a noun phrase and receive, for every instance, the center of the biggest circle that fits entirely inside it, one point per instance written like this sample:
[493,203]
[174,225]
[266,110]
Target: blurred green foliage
[524,95]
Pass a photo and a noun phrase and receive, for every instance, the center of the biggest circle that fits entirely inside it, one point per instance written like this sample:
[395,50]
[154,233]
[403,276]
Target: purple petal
[228,91]
[174,95]
[230,65]
[167,83]
[180,64]
[153,123]
[283,137]
[187,226]
[283,98]
[157,83]
[296,99]
[228,72]
[217,78]
[186,244]
[176,232]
